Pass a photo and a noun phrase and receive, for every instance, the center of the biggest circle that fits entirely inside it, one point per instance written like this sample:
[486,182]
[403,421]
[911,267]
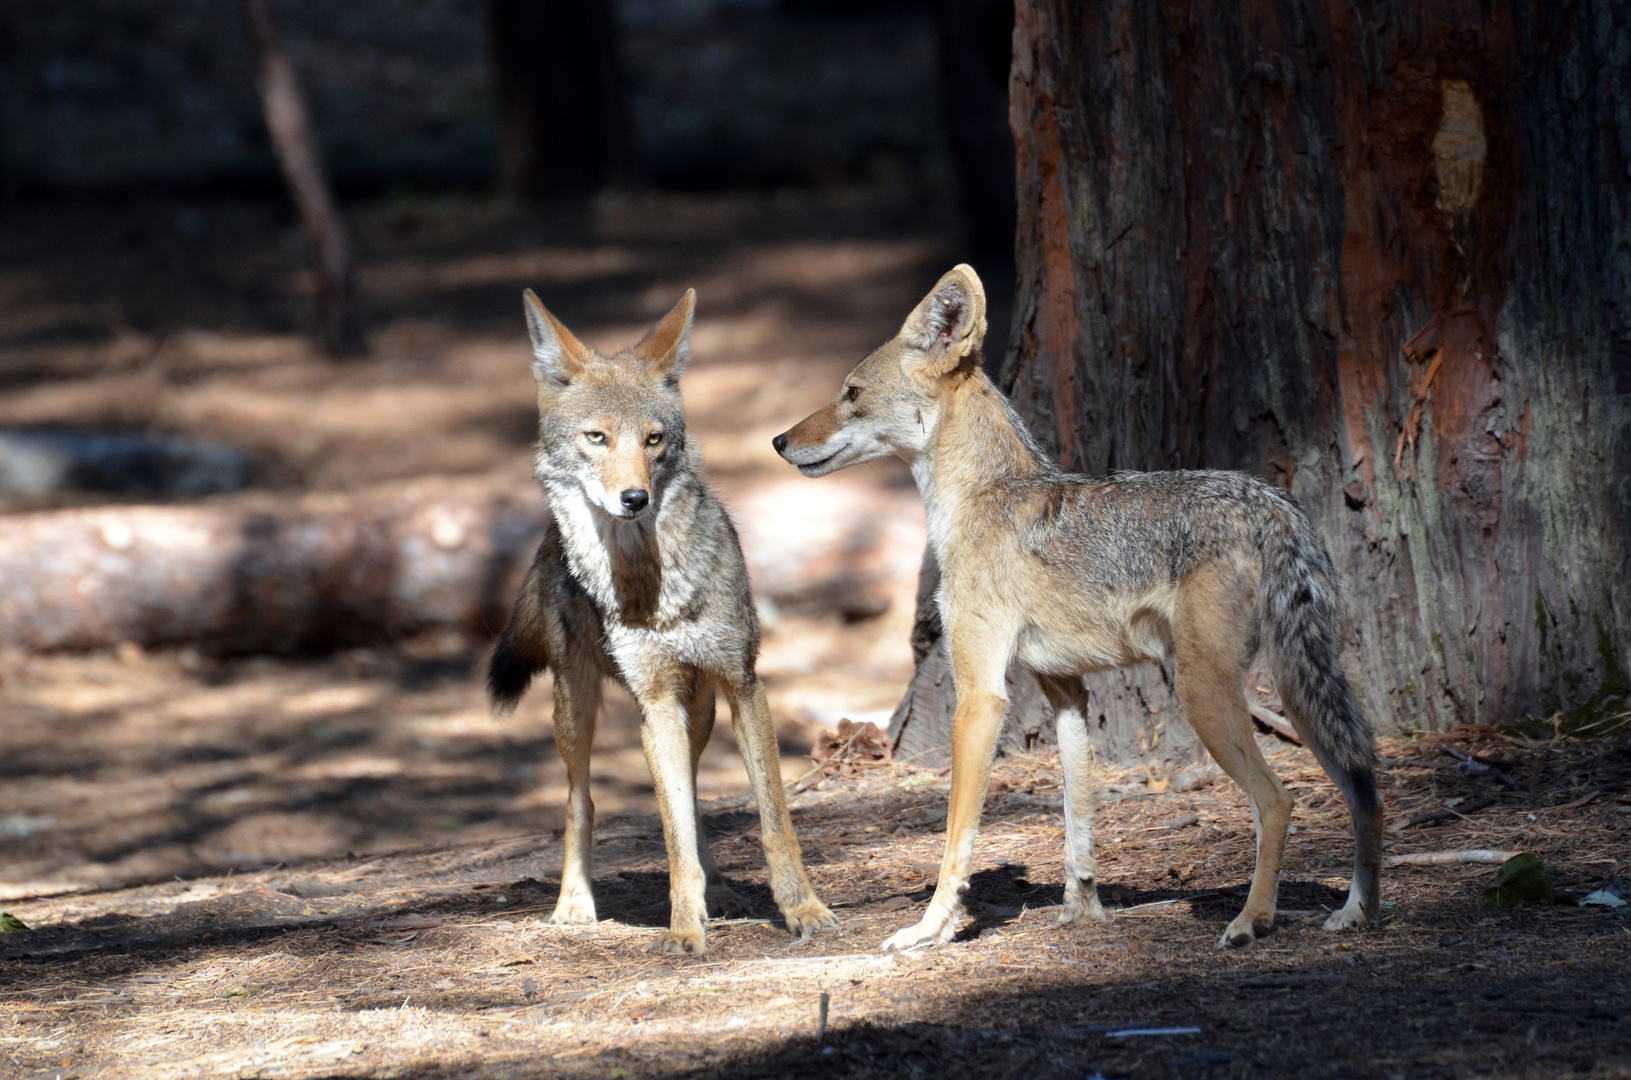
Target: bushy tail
[523,648]
[1300,605]
[1300,620]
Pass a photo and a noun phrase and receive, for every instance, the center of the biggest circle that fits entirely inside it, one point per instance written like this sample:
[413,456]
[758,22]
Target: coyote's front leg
[979,664]
[756,737]
[577,700]
[668,753]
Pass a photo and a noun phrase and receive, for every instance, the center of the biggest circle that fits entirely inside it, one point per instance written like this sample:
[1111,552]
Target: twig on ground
[794,787]
[1175,823]
[1578,803]
[1446,814]
[1449,858]
[1475,767]
[1136,1032]
[1165,903]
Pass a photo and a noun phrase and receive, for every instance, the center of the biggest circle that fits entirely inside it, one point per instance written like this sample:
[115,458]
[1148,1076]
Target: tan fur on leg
[756,737]
[577,701]
[1211,675]
[699,708]
[1069,700]
[979,661]
[668,754]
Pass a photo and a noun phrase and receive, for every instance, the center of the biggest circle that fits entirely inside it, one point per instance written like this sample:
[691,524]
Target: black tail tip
[508,676]
[1363,794]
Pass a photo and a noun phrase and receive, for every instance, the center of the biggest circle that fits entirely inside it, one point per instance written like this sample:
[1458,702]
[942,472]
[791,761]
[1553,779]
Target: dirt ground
[341,866]
[440,961]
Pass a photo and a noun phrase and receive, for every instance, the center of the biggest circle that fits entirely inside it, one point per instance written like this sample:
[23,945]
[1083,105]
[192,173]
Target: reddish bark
[1310,241]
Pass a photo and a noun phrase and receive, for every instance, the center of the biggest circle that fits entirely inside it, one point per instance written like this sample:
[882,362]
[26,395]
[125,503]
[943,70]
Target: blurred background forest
[247,585]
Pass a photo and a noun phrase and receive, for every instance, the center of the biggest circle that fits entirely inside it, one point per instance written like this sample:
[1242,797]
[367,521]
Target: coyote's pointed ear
[948,324]
[557,356]
[667,348]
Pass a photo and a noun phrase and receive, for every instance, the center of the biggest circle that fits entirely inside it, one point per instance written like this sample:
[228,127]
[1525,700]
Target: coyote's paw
[675,940]
[577,908]
[932,930]
[1348,916]
[1246,929]
[1081,905]
[725,902]
[806,918]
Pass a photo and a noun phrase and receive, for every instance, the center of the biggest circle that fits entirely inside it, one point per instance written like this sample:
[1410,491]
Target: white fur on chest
[594,542]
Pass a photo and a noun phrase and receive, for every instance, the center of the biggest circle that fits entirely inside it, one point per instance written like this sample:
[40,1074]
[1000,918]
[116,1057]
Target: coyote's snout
[1071,574]
[640,579]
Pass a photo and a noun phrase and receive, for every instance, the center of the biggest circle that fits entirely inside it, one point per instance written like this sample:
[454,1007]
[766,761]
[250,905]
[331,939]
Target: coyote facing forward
[1073,575]
[640,578]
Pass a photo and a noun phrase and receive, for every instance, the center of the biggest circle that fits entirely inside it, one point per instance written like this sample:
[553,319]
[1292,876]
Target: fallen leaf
[1520,878]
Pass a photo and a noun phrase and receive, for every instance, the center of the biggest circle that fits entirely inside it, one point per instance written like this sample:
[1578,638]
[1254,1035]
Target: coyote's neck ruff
[640,578]
[1069,575]
[978,450]
[620,562]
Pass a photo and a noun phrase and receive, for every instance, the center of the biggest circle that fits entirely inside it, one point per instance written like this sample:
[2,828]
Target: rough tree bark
[1379,254]
[340,322]
[563,121]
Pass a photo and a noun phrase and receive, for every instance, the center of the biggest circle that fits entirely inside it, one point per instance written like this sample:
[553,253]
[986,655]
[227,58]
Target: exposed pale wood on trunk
[1302,240]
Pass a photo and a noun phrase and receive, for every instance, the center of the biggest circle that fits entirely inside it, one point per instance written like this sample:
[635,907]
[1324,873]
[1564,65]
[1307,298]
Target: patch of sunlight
[331,699]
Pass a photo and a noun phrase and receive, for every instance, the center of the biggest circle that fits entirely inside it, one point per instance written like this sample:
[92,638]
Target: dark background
[111,97]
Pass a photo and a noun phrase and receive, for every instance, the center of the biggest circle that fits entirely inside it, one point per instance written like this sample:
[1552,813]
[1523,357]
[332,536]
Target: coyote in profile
[1071,574]
[640,578]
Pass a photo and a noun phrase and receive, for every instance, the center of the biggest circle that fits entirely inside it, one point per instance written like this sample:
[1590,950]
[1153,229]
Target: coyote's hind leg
[1069,700]
[1213,638]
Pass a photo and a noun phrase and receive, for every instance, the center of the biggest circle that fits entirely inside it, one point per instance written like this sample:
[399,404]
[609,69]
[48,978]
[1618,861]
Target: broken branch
[1448,858]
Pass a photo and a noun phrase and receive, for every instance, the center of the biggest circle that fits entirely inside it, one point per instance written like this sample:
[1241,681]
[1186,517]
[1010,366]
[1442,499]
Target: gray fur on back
[1133,531]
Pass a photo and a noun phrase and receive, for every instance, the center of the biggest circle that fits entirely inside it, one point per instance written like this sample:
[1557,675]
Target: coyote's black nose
[634,499]
[779,442]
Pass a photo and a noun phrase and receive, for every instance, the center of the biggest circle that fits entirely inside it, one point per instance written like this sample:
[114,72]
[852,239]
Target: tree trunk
[340,324]
[233,580]
[1377,254]
[975,47]
[563,123]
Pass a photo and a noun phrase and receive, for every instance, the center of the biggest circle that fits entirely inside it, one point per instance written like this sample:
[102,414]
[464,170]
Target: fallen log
[235,579]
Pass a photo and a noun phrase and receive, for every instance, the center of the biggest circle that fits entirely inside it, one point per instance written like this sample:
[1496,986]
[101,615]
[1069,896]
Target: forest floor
[441,961]
[342,866]
[181,318]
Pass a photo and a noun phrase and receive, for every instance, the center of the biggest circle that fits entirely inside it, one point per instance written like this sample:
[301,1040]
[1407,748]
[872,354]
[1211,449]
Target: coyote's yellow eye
[852,393]
[597,438]
[654,439]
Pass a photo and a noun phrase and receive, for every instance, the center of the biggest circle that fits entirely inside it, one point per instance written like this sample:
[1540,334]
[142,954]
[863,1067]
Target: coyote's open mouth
[814,468]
